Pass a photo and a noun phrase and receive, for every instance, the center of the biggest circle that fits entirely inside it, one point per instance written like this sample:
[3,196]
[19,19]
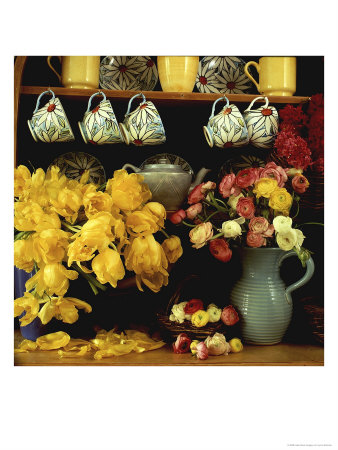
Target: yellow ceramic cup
[277,75]
[80,72]
[177,73]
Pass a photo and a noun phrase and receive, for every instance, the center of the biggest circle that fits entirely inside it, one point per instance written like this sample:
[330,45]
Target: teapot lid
[162,164]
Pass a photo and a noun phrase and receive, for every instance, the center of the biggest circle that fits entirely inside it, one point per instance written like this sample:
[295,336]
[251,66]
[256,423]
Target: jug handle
[50,65]
[252,63]
[94,95]
[40,96]
[130,101]
[310,268]
[135,169]
[216,101]
[258,98]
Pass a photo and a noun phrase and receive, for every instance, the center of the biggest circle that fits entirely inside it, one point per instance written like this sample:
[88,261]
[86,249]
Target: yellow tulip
[95,201]
[97,231]
[54,182]
[145,255]
[22,181]
[53,341]
[63,308]
[29,216]
[23,254]
[154,281]
[78,251]
[50,246]
[52,279]
[157,210]
[140,223]
[280,200]
[172,248]
[108,267]
[68,203]
[264,187]
[200,318]
[128,191]
[29,304]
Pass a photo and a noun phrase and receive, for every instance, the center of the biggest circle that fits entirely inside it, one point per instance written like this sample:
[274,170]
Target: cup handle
[258,98]
[252,63]
[130,102]
[214,105]
[310,268]
[94,95]
[40,96]
[54,70]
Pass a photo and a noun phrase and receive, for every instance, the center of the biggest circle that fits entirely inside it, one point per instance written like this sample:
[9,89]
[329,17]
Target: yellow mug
[80,72]
[277,75]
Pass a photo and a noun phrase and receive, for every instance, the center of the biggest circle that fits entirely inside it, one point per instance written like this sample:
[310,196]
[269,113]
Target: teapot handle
[135,169]
[40,96]
[130,101]
[216,101]
[310,268]
[54,70]
[94,95]
[252,63]
[258,98]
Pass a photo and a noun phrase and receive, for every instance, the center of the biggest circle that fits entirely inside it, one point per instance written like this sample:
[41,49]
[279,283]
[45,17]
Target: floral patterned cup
[227,128]
[262,124]
[50,123]
[99,126]
[143,126]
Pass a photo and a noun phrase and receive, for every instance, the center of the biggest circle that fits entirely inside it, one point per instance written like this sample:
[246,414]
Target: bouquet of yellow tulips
[66,227]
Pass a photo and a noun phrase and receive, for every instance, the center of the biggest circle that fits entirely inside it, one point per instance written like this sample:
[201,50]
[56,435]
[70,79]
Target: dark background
[183,126]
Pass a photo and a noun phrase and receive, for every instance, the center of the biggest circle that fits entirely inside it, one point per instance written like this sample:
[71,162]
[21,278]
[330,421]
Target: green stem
[215,205]
[75,228]
[296,211]
[89,278]
[311,223]
[188,224]
[216,236]
[165,233]
[211,215]
[102,187]
[22,235]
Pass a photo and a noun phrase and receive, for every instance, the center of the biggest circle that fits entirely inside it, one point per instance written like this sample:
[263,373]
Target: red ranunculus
[196,195]
[245,207]
[227,186]
[193,305]
[246,177]
[177,216]
[300,184]
[193,210]
[255,240]
[182,344]
[229,315]
[219,248]
[202,351]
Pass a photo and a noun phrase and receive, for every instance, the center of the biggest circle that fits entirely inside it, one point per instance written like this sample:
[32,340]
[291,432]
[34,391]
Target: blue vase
[261,298]
[35,329]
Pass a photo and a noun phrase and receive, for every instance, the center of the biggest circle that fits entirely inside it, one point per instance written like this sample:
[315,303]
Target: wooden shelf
[159,96]
[252,355]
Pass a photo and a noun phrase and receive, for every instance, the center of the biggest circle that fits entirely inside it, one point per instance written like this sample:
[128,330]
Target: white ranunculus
[214,313]
[177,313]
[282,224]
[300,239]
[233,200]
[286,241]
[217,345]
[231,229]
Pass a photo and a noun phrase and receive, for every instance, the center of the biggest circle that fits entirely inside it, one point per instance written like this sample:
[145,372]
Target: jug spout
[199,177]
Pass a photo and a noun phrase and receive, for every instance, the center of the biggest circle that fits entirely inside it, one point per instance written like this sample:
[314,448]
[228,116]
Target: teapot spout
[130,166]
[199,177]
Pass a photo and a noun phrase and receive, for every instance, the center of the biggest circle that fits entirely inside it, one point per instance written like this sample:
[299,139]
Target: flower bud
[202,351]
[177,216]
[214,313]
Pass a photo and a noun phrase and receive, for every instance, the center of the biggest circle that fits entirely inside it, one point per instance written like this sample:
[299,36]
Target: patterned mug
[50,123]
[143,126]
[227,128]
[262,124]
[99,126]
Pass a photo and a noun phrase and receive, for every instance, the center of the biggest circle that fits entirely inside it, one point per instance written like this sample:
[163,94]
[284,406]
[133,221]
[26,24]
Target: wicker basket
[172,329]
[315,319]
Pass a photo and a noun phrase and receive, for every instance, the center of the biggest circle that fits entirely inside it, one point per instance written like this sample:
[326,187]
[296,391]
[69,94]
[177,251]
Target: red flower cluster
[293,149]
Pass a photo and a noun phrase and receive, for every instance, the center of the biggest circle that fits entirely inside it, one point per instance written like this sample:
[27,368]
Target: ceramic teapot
[169,183]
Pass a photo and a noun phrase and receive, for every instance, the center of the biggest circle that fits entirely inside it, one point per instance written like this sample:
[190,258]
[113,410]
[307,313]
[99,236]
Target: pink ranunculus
[177,216]
[202,351]
[193,210]
[258,225]
[196,195]
[269,232]
[208,186]
[227,186]
[271,170]
[300,184]
[182,343]
[201,234]
[255,239]
[246,177]
[245,207]
[229,316]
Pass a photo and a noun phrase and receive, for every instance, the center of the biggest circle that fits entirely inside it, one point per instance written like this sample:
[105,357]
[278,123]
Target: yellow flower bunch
[66,227]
